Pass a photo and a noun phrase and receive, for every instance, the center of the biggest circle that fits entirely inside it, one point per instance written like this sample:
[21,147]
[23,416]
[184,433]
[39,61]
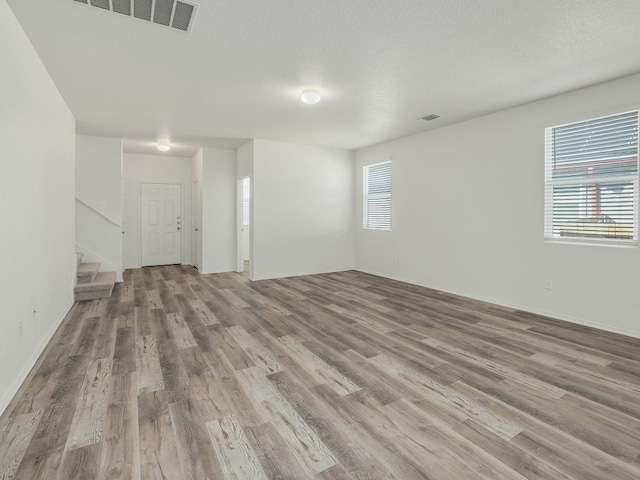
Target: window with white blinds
[376,201]
[591,180]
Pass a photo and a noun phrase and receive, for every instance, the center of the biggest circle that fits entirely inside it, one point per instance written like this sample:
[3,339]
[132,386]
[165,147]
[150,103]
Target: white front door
[161,224]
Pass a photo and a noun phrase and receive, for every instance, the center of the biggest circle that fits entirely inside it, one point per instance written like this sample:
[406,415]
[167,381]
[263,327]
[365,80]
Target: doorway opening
[244,223]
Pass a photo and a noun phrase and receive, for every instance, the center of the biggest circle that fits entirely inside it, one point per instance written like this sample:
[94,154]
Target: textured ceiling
[380,65]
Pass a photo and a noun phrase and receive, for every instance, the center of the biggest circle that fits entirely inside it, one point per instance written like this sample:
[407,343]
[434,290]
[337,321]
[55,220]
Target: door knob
[178,228]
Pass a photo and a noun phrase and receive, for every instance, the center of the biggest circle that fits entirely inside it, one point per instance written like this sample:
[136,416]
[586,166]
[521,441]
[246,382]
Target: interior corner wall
[302,209]
[468,216]
[218,211]
[245,160]
[138,169]
[99,184]
[37,136]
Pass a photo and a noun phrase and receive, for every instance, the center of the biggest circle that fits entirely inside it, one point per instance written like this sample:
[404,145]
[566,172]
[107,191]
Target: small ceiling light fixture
[163,147]
[310,97]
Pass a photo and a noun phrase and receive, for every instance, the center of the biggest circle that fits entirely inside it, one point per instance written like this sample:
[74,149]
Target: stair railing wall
[99,238]
[94,209]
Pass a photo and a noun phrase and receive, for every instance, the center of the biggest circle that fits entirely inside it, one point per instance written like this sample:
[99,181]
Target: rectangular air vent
[142,9]
[183,15]
[177,14]
[122,6]
[101,3]
[163,11]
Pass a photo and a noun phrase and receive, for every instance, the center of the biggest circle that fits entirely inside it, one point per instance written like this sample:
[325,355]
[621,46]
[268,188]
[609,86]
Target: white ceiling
[380,64]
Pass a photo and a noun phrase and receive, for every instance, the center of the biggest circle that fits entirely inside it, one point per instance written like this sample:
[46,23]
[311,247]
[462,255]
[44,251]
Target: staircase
[91,283]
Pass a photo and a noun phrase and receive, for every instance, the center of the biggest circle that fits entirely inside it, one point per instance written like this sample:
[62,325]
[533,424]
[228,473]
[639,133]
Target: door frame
[196,227]
[140,239]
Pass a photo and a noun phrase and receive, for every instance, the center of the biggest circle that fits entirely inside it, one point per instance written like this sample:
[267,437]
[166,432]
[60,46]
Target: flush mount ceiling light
[429,118]
[310,97]
[163,147]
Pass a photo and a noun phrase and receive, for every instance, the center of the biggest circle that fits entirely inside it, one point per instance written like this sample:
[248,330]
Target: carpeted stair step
[100,287]
[79,258]
[87,272]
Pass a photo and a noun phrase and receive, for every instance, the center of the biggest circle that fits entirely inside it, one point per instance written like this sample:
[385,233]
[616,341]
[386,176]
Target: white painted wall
[246,242]
[245,160]
[36,206]
[467,216]
[302,210]
[215,169]
[99,184]
[139,169]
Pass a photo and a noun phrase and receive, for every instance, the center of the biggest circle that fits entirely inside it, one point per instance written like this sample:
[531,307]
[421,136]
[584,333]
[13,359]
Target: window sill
[591,243]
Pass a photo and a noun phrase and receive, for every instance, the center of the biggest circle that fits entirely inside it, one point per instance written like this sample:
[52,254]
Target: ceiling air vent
[171,13]
[101,3]
[182,15]
[122,6]
[142,9]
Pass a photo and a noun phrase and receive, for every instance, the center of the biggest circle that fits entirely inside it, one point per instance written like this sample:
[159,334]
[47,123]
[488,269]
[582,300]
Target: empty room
[319,239]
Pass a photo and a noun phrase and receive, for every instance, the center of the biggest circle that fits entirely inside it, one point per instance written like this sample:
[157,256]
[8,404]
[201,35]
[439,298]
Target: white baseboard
[564,318]
[31,362]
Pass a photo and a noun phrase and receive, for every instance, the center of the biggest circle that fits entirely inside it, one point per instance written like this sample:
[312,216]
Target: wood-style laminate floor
[335,376]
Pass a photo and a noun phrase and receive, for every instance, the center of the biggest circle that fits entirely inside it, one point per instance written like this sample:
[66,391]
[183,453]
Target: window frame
[368,223]
[593,184]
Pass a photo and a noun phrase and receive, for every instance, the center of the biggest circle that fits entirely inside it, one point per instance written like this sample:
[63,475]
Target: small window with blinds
[591,181]
[376,201]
